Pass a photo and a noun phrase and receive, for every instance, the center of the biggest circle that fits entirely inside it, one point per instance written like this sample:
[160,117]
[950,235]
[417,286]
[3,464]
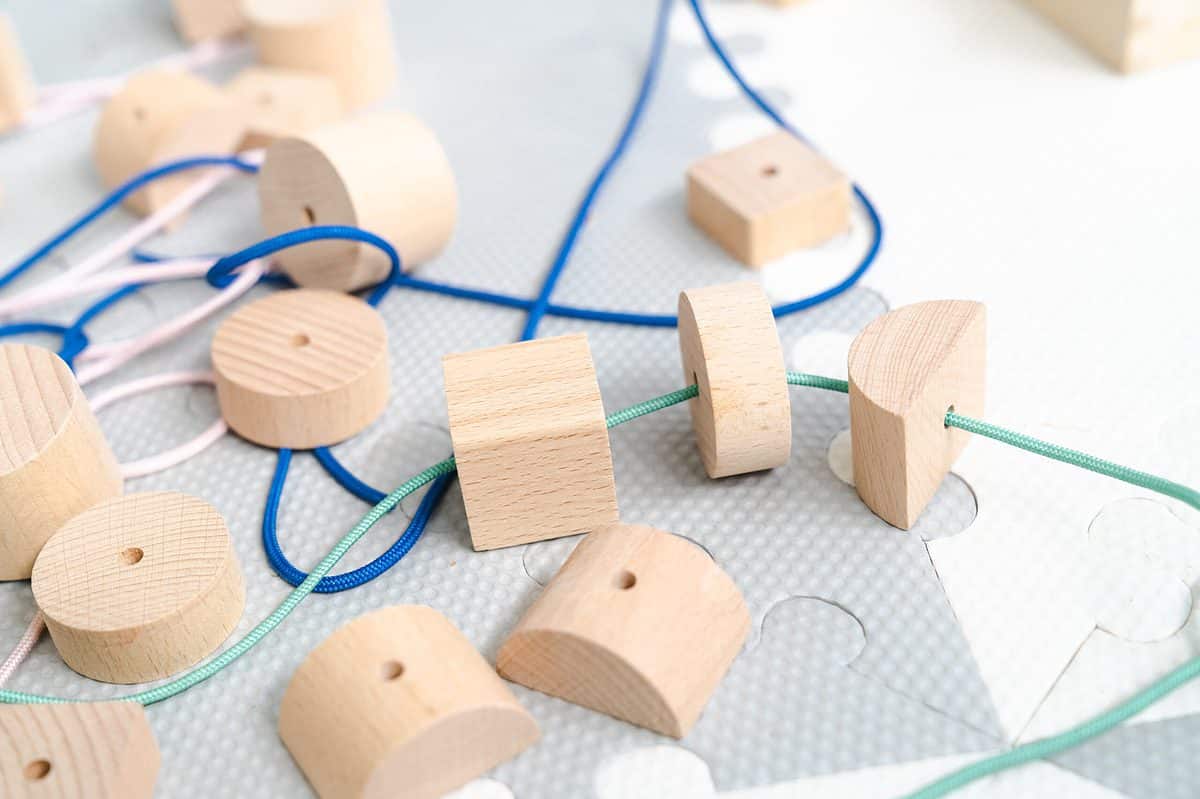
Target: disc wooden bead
[301,368]
[54,460]
[18,93]
[139,587]
[385,173]
[397,703]
[742,416]
[88,750]
[348,40]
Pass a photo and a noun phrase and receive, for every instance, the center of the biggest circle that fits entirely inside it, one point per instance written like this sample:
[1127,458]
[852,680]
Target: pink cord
[21,651]
[55,290]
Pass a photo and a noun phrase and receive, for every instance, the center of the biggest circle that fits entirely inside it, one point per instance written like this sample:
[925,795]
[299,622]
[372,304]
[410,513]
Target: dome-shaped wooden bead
[385,173]
[139,587]
[301,368]
[54,460]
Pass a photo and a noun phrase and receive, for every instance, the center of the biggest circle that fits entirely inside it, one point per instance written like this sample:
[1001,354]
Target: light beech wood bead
[54,460]
[638,623]
[530,440]
[907,368]
[139,587]
[1129,35]
[283,102]
[18,92]
[768,198]
[89,750]
[161,116]
[385,173]
[302,368]
[197,20]
[397,703]
[348,40]
[730,349]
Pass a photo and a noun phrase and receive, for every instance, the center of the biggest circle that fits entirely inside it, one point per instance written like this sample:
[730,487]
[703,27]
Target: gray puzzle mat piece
[1156,760]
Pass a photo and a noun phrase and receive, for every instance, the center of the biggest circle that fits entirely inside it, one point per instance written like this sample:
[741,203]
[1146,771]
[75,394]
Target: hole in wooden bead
[37,770]
[770,171]
[696,383]
[949,411]
[301,340]
[132,556]
[626,580]
[310,215]
[139,114]
[393,670]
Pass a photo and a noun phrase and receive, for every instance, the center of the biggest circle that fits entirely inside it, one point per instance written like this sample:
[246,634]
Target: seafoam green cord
[1035,750]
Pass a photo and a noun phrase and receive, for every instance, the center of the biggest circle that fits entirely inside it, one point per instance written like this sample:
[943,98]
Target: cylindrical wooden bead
[398,703]
[385,173]
[349,40]
[301,368]
[18,92]
[283,102]
[139,587]
[54,461]
[730,349]
[197,20]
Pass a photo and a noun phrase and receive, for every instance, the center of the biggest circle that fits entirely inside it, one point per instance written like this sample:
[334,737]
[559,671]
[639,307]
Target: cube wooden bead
[54,459]
[638,623]
[89,750]
[767,198]
[906,369]
[283,102]
[18,93]
[398,703]
[530,440]
[197,20]
[730,348]
[1129,35]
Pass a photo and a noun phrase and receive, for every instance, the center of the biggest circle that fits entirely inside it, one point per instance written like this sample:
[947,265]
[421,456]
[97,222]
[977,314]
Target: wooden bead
[906,369]
[385,173]
[1129,35]
[54,460]
[157,117]
[197,20]
[638,623]
[18,93]
[283,102]
[730,348]
[768,198]
[139,587]
[398,703]
[530,440]
[90,750]
[348,40]
[302,368]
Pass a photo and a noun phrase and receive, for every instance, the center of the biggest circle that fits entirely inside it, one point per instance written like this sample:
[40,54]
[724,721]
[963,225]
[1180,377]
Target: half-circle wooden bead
[638,623]
[18,92]
[907,368]
[301,368]
[54,460]
[88,750]
[398,703]
[348,40]
[385,173]
[742,416]
[139,587]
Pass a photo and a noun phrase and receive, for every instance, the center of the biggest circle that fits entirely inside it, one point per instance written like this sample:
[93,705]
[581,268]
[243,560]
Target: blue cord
[118,194]
[346,479]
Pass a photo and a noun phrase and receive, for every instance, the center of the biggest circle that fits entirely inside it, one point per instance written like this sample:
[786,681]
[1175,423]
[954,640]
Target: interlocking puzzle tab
[639,624]
[398,703]
[1129,35]
[767,198]
[55,461]
[530,440]
[907,368]
[742,416]
[140,587]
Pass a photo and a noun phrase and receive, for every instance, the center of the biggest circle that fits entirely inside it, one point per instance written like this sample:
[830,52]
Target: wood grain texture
[386,173]
[54,460]
[1129,35]
[139,587]
[302,368]
[530,440]
[730,349]
[767,198]
[197,20]
[18,92]
[906,369]
[91,750]
[159,116]
[639,624]
[398,703]
[283,102]
[348,40]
